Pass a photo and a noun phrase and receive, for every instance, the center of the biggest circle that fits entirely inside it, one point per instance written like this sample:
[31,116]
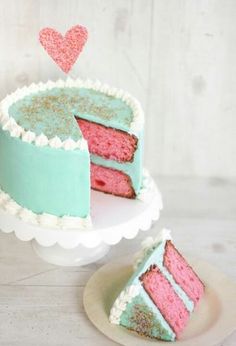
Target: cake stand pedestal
[113,218]
[77,256]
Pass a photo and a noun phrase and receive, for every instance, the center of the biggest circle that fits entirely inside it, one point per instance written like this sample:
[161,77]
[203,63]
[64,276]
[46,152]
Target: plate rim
[220,330]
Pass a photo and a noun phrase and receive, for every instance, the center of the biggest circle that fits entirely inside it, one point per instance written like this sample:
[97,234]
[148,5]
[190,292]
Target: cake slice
[161,294]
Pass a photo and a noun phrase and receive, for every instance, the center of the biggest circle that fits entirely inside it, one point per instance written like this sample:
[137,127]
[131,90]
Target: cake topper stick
[64,50]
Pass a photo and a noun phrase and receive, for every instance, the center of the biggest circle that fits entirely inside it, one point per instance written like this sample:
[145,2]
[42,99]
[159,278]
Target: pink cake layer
[107,142]
[183,273]
[164,297]
[112,181]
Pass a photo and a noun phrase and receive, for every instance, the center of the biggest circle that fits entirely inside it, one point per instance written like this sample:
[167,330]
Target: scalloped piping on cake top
[149,244]
[9,124]
[122,300]
[45,220]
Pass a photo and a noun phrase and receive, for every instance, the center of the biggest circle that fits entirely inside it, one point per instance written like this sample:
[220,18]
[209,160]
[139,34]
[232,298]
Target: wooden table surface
[41,304]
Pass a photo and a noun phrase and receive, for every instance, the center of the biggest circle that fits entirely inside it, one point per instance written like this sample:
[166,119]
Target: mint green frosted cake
[59,139]
[161,294]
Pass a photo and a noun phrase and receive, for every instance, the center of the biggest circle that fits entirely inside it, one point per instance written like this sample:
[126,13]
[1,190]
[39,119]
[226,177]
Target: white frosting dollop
[27,215]
[49,220]
[9,124]
[41,140]
[70,144]
[49,85]
[34,87]
[83,144]
[4,197]
[149,244]
[60,83]
[87,222]
[70,83]
[17,131]
[121,302]
[72,222]
[55,142]
[3,117]
[12,207]
[28,136]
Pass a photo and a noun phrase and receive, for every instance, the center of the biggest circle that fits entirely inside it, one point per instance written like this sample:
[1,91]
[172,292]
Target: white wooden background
[177,56]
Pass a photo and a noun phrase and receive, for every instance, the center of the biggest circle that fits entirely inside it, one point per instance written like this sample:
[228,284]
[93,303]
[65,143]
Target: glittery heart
[64,50]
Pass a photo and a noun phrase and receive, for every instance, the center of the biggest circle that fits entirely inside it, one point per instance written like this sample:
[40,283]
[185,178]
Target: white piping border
[8,123]
[46,220]
[124,298]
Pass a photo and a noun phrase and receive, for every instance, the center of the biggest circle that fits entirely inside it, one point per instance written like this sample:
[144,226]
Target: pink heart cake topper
[64,50]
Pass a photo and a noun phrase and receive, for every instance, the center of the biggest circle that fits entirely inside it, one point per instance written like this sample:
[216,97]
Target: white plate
[213,320]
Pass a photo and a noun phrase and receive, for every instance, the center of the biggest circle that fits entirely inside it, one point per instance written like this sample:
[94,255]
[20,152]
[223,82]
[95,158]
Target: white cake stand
[113,218]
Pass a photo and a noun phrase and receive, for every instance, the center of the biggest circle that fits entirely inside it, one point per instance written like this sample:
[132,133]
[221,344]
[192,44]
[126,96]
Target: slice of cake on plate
[161,294]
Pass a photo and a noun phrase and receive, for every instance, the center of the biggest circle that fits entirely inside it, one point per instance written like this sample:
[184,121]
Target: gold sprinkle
[55,110]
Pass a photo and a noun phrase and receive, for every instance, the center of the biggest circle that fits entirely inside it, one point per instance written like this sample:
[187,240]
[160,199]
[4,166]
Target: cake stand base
[78,256]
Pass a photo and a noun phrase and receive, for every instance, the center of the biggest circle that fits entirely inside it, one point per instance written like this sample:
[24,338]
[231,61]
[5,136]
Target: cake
[59,139]
[160,296]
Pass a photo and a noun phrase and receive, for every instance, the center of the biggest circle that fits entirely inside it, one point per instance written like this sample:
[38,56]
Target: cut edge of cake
[100,137]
